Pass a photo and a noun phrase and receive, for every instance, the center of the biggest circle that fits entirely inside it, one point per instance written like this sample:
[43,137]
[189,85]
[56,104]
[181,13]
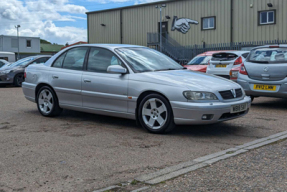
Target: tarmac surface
[263,169]
[81,152]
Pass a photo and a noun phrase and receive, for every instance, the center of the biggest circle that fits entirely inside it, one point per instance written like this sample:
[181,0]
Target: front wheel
[18,80]
[155,114]
[47,102]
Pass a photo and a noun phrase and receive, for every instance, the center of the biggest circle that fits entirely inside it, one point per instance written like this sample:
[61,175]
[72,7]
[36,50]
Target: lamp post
[17,27]
[160,30]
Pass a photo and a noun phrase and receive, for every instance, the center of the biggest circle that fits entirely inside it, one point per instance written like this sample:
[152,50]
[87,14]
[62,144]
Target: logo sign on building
[182,24]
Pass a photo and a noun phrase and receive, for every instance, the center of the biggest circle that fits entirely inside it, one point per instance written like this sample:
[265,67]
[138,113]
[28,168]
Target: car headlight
[197,95]
[5,72]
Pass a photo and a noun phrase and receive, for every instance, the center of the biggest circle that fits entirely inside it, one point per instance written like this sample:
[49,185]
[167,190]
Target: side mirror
[116,69]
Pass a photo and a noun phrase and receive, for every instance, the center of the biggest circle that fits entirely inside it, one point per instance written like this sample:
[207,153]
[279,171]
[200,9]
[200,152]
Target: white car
[221,63]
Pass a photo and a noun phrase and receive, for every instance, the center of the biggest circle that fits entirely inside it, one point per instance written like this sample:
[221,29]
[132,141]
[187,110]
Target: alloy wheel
[154,113]
[45,101]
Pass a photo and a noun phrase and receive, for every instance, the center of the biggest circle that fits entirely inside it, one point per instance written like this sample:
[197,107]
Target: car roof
[267,46]
[210,53]
[107,46]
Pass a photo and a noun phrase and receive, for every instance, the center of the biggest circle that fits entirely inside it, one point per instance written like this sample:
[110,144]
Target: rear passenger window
[75,58]
[101,59]
[223,57]
[59,61]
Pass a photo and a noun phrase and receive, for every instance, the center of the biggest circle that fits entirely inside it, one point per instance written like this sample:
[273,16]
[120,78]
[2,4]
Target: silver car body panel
[117,94]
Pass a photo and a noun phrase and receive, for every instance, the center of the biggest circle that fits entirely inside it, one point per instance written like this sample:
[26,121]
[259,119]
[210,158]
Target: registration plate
[265,87]
[220,66]
[238,108]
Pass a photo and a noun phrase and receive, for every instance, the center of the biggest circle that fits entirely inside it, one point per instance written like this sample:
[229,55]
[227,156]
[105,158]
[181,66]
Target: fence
[183,54]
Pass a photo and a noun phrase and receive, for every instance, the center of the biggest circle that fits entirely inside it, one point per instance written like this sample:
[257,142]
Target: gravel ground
[79,151]
[263,169]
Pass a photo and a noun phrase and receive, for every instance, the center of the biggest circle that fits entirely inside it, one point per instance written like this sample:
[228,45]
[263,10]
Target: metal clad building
[219,21]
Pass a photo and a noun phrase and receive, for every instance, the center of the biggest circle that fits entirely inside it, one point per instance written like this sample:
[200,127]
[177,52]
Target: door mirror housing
[116,69]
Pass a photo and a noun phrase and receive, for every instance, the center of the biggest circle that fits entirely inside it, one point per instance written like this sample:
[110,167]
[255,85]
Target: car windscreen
[224,57]
[199,60]
[268,55]
[22,62]
[142,59]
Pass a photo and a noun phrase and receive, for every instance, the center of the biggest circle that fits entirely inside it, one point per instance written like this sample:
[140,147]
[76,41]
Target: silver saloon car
[264,73]
[132,82]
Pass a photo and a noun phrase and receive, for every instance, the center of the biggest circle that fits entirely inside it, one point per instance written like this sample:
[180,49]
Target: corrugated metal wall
[138,21]
[246,21]
[107,34]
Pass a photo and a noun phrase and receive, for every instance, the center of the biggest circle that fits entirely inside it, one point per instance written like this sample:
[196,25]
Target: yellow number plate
[220,65]
[265,87]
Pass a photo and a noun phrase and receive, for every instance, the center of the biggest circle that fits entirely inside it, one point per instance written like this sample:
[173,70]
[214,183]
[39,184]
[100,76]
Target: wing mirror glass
[116,69]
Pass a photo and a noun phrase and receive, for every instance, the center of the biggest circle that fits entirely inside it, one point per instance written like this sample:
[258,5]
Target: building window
[208,23]
[28,43]
[267,17]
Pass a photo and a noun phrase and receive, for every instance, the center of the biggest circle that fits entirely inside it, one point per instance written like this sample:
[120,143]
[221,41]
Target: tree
[43,41]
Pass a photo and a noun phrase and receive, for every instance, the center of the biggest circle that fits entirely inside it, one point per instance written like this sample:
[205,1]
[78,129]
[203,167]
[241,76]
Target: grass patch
[134,182]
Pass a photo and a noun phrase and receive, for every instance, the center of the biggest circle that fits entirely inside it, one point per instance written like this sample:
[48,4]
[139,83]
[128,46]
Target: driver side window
[100,59]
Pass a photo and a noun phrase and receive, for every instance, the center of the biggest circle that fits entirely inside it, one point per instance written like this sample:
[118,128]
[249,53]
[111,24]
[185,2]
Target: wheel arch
[39,86]
[143,95]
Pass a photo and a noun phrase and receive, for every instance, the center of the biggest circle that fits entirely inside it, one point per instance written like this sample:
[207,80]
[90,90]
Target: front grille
[228,94]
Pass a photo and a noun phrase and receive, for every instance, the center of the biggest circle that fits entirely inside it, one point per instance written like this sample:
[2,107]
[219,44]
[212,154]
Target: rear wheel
[47,102]
[18,80]
[155,114]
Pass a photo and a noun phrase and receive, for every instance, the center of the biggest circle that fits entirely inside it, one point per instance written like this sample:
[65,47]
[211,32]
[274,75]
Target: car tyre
[18,80]
[155,114]
[47,102]
[252,98]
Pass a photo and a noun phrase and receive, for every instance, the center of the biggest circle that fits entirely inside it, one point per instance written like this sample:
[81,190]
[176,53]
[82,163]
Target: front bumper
[247,84]
[6,79]
[191,113]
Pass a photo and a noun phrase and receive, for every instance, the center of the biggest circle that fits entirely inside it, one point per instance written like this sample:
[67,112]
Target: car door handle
[55,77]
[87,81]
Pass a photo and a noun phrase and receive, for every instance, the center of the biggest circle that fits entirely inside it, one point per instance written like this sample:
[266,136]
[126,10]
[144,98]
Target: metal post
[160,37]
[18,43]
[17,26]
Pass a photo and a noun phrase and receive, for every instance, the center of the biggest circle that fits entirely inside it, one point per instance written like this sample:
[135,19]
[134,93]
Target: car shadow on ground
[219,129]
[270,104]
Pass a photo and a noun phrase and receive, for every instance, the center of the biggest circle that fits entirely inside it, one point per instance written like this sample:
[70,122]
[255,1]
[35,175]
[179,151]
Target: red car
[200,62]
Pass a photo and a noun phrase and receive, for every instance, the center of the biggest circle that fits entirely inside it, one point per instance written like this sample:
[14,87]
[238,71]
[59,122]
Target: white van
[8,56]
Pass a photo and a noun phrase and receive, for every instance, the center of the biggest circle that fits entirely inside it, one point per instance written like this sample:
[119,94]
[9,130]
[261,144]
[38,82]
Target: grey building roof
[133,6]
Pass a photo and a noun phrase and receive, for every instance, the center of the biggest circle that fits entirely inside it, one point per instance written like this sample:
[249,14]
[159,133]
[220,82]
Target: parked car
[3,62]
[264,73]
[14,73]
[221,63]
[200,62]
[132,82]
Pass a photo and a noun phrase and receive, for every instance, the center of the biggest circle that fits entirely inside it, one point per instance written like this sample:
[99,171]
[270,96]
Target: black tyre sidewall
[16,82]
[168,123]
[56,104]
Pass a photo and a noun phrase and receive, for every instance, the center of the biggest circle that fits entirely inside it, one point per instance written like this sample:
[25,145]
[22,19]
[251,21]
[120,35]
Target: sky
[57,21]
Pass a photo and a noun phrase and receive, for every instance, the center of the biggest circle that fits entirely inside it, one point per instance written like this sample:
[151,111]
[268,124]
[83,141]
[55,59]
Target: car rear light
[274,46]
[25,75]
[233,74]
[238,61]
[243,70]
